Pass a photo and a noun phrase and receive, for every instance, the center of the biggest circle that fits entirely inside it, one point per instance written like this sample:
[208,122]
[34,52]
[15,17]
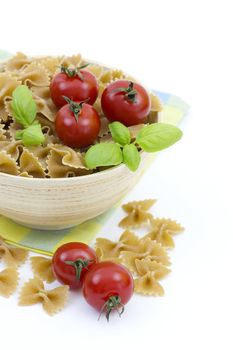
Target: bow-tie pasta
[42,267]
[8,281]
[52,300]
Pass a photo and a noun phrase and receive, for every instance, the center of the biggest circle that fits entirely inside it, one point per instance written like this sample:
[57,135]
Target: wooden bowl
[51,204]
[60,203]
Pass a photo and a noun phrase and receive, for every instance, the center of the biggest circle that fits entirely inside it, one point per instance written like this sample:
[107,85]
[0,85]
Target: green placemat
[46,242]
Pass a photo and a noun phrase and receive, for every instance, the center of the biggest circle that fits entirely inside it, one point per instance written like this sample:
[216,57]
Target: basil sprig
[24,112]
[151,138]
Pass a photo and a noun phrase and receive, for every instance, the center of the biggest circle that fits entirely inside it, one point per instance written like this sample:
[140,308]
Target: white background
[183,47]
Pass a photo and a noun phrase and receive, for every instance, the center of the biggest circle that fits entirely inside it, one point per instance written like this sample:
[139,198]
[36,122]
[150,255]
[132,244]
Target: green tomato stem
[113,303]
[79,265]
[71,72]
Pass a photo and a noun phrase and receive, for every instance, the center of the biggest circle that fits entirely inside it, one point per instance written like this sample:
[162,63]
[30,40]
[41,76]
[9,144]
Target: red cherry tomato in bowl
[77,84]
[126,102]
[71,262]
[77,124]
[108,286]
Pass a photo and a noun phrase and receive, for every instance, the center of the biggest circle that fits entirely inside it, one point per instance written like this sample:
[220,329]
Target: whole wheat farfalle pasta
[96,70]
[52,300]
[73,61]
[13,148]
[29,163]
[2,133]
[127,241]
[57,168]
[34,75]
[52,158]
[7,85]
[44,103]
[12,256]
[42,267]
[137,213]
[163,231]
[8,164]
[18,62]
[9,278]
[51,64]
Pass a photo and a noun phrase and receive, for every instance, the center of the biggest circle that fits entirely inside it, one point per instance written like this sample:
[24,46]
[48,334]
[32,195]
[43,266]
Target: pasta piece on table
[127,241]
[102,257]
[9,278]
[145,249]
[34,292]
[163,230]
[137,213]
[149,272]
[12,256]
[148,285]
[42,267]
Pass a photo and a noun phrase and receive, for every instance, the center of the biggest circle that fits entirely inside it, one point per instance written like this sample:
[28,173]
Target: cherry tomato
[108,286]
[77,84]
[71,262]
[77,124]
[126,102]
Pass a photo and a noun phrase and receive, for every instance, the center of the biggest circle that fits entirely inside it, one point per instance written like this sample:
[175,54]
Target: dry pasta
[137,213]
[8,164]
[127,241]
[34,292]
[18,62]
[29,163]
[8,281]
[12,256]
[7,85]
[145,249]
[53,159]
[163,230]
[42,267]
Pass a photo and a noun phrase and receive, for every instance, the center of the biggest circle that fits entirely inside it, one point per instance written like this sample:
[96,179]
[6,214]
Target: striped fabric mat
[46,242]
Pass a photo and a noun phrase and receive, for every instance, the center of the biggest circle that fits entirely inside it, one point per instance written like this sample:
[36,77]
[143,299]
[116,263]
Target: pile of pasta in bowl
[34,144]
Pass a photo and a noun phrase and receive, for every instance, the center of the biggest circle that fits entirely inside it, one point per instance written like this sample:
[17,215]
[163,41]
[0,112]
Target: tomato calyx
[79,265]
[74,106]
[72,72]
[130,92]
[113,303]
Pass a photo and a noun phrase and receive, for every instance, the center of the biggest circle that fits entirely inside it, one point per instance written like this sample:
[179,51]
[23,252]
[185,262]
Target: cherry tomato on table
[126,102]
[71,262]
[77,84]
[77,124]
[108,286]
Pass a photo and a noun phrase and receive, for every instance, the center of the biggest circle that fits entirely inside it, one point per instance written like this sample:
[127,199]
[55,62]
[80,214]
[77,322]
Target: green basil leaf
[103,154]
[23,106]
[120,133]
[131,157]
[31,136]
[155,137]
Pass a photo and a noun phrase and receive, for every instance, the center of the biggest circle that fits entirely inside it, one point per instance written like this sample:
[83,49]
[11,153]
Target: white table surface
[181,47]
